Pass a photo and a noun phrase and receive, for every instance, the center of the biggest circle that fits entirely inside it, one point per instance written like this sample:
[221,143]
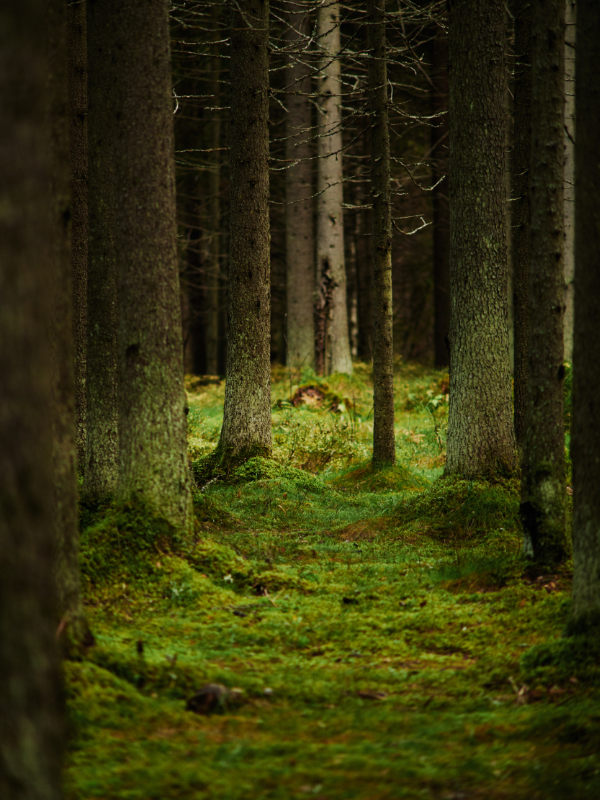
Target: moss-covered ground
[386,636]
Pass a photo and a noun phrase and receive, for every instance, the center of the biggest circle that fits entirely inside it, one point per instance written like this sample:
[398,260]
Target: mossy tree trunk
[332,339]
[102,414]
[31,717]
[480,427]
[384,443]
[569,179]
[441,211]
[153,464]
[585,432]
[543,492]
[78,147]
[521,213]
[214,191]
[75,634]
[246,430]
[299,239]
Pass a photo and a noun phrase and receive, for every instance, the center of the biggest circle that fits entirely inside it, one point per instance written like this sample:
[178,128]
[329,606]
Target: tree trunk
[543,469]
[331,329]
[521,212]
[585,431]
[384,444]
[480,428]
[214,191]
[31,720]
[78,144]
[102,441]
[153,461]
[364,285]
[75,634]
[441,212]
[569,181]
[299,240]
[246,428]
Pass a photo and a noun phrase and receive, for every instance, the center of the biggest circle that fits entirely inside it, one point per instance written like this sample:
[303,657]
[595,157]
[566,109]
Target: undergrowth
[381,630]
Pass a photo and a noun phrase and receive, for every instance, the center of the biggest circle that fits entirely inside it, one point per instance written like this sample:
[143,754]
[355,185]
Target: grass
[384,632]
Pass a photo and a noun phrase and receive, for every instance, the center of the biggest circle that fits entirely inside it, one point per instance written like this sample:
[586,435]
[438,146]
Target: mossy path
[384,633]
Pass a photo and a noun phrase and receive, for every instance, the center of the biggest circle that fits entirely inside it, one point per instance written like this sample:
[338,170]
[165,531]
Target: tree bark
[384,443]
[75,634]
[77,51]
[543,469]
[331,329]
[102,415]
[246,430]
[480,426]
[521,212]
[569,180]
[214,191]
[31,720]
[299,239]
[441,212]
[585,430]
[153,461]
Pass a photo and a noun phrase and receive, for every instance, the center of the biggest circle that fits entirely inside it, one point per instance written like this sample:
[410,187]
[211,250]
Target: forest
[299,367]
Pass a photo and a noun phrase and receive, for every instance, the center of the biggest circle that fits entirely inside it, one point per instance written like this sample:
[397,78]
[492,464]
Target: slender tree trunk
[246,428]
[332,342]
[384,444]
[75,633]
[214,191]
[31,717]
[543,470]
[585,432]
[480,428]
[102,416]
[364,282]
[569,191]
[77,51]
[299,240]
[521,212]
[441,212]
[152,424]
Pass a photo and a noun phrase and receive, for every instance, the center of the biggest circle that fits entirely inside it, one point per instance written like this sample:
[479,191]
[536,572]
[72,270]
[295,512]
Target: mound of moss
[365,478]
[452,508]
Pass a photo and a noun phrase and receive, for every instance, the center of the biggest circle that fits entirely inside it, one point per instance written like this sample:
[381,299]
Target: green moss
[366,478]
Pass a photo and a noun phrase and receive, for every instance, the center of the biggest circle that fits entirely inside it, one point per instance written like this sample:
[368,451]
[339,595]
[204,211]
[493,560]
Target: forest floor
[381,631]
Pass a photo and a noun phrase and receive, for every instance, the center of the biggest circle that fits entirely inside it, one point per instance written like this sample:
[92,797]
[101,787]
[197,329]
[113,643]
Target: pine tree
[75,634]
[585,432]
[521,212]
[384,448]
[31,718]
[102,414]
[246,430]
[480,426]
[153,463]
[543,492]
[299,239]
[332,340]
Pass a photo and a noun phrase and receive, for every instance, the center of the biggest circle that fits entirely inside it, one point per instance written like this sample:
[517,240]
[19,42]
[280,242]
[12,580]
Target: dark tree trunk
[31,717]
[246,428]
[102,415]
[364,285]
[520,208]
[75,634]
[78,144]
[299,239]
[441,211]
[152,424]
[211,316]
[384,444]
[543,469]
[480,427]
[585,431]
